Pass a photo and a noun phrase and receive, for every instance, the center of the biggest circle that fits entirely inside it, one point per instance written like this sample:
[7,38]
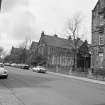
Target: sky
[21,19]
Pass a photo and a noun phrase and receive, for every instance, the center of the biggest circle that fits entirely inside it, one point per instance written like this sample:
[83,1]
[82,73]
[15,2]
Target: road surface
[24,87]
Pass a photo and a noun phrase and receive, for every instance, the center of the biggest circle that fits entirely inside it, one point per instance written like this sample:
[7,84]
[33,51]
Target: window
[101,11]
[102,22]
[100,59]
[101,40]
[100,29]
[100,50]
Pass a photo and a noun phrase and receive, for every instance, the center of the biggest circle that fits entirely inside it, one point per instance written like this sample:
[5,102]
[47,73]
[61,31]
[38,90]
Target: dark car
[24,66]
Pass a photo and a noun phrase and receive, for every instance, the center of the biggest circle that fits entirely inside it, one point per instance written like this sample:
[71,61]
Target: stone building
[98,35]
[19,55]
[15,52]
[33,47]
[57,50]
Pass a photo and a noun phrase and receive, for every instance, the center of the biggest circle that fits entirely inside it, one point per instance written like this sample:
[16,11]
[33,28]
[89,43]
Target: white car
[13,64]
[39,69]
[3,72]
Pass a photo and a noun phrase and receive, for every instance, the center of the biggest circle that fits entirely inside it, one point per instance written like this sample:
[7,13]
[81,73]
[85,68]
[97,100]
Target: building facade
[98,35]
[33,48]
[15,55]
[58,51]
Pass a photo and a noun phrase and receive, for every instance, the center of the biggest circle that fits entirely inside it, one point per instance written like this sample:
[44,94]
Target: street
[24,87]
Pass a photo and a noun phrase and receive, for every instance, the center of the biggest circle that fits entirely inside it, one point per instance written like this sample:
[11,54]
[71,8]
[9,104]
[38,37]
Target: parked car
[26,67]
[3,72]
[23,66]
[13,64]
[39,69]
[7,64]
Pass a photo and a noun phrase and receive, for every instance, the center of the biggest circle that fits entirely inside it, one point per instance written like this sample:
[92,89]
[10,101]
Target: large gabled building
[59,51]
[98,35]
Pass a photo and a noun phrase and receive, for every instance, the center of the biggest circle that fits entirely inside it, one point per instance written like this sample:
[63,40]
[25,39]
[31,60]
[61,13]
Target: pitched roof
[99,5]
[59,42]
[34,44]
[96,5]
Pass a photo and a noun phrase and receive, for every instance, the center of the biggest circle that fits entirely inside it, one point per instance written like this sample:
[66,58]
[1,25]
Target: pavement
[29,88]
[7,96]
[79,78]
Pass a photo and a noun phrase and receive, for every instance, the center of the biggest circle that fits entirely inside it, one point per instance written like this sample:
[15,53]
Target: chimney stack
[42,34]
[56,35]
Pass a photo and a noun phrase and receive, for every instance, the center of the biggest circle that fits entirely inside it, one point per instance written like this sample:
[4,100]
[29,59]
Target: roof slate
[59,42]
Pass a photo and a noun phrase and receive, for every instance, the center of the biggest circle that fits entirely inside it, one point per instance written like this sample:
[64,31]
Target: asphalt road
[29,88]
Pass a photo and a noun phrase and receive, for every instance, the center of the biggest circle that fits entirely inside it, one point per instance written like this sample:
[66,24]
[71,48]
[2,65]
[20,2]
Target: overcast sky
[27,18]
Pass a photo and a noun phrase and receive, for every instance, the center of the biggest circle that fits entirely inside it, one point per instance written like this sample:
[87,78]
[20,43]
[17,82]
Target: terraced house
[98,35]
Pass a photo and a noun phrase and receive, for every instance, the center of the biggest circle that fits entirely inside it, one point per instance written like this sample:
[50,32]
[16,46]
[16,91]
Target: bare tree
[73,28]
[74,25]
[25,46]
